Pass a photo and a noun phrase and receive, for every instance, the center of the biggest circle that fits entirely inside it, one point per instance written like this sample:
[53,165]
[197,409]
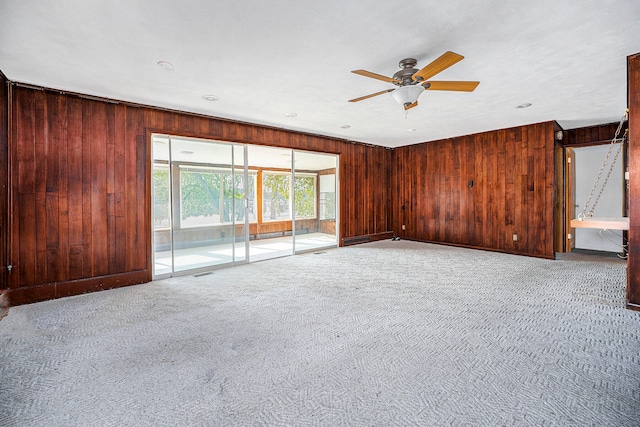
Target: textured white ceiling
[264,59]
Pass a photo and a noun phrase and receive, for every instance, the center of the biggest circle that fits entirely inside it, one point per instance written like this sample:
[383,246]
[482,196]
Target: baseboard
[481,248]
[31,294]
[354,240]
[634,307]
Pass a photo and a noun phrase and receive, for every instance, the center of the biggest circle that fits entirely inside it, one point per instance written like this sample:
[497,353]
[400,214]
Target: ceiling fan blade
[371,95]
[456,86]
[375,76]
[410,106]
[445,61]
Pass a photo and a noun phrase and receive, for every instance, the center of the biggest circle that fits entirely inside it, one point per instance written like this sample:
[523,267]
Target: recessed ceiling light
[210,97]
[345,126]
[291,115]
[167,66]
[525,105]
[186,152]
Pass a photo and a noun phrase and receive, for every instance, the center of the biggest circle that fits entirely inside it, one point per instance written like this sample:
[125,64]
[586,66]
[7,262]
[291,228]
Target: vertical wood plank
[40,141]
[75,168]
[110,189]
[5,255]
[87,214]
[98,197]
[142,232]
[22,159]
[119,174]
[131,132]
[58,127]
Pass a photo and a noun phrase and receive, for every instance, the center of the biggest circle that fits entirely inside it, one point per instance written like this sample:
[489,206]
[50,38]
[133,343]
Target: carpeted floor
[380,334]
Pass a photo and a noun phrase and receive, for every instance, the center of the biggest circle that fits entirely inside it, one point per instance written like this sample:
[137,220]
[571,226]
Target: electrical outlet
[404,227]
[515,237]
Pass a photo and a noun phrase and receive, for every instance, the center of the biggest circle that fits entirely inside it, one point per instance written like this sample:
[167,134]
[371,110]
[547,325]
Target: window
[207,197]
[328,197]
[251,209]
[202,197]
[305,196]
[275,196]
[276,190]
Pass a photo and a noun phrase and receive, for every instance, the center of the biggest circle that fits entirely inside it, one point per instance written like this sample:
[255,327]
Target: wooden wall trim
[633,263]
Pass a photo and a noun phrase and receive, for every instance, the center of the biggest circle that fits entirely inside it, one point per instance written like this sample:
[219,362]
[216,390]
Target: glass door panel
[161,207]
[199,209]
[243,198]
[315,194]
[203,204]
[272,234]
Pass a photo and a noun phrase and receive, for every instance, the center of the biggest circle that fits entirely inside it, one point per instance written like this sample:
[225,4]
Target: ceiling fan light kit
[407,95]
[412,82]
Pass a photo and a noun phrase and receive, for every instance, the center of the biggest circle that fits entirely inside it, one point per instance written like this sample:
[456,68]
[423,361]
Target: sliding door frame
[247,222]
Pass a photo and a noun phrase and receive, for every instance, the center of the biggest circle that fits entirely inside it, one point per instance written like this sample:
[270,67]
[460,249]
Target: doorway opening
[588,161]
[606,200]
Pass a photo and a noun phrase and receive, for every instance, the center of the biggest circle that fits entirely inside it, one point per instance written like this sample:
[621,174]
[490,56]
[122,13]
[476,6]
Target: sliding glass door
[200,219]
[217,203]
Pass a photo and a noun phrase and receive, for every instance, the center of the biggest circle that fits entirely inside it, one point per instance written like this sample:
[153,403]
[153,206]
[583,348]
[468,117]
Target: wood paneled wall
[79,187]
[81,202]
[592,135]
[633,263]
[79,196]
[479,190]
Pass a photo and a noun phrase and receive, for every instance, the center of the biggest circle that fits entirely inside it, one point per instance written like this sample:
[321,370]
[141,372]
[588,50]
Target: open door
[570,198]
[565,205]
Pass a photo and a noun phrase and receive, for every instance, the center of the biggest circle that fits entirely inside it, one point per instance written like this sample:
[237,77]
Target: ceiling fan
[412,82]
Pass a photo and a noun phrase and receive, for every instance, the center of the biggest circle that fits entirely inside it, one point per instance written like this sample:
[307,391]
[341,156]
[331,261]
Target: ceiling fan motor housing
[408,69]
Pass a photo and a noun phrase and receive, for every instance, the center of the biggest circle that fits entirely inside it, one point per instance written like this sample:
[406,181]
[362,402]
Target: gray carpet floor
[380,334]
